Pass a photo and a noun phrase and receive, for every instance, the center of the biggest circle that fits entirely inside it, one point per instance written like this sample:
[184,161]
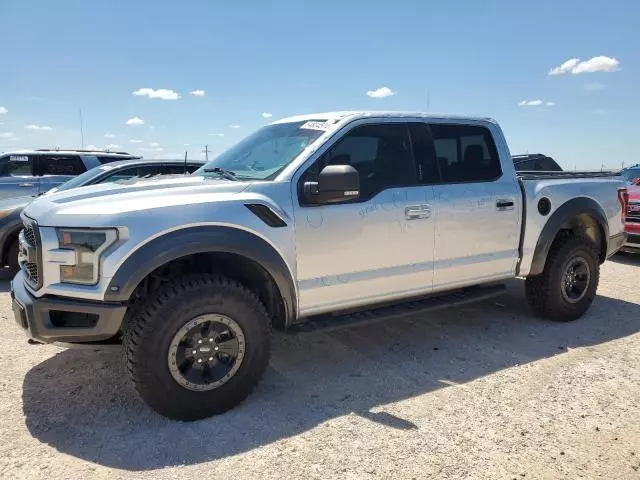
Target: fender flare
[13,225]
[564,213]
[205,239]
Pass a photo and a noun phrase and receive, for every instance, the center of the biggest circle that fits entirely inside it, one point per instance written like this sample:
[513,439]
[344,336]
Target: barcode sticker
[324,126]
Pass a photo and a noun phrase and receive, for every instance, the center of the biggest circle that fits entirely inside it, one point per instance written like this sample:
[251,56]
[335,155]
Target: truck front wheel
[567,286]
[198,346]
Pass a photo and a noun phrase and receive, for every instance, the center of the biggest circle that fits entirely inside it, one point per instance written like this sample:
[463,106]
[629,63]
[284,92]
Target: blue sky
[289,57]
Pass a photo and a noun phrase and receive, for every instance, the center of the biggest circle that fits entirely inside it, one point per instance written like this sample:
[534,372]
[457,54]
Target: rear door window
[59,165]
[465,153]
[131,172]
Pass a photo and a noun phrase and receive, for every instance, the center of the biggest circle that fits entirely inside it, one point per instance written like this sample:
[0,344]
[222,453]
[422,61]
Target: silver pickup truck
[311,222]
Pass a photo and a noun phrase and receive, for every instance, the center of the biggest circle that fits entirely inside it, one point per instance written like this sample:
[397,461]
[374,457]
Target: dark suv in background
[535,162]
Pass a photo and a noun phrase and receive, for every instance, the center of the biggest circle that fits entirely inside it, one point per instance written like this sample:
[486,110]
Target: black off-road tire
[12,256]
[544,291]
[149,334]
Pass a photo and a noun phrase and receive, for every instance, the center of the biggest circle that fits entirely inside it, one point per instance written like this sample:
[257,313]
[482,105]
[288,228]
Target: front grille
[29,256]
[29,235]
[633,212]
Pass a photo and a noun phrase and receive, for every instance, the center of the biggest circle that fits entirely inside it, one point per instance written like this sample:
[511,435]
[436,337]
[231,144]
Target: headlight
[88,245]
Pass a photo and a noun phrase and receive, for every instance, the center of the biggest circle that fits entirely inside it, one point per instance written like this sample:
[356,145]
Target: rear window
[108,159]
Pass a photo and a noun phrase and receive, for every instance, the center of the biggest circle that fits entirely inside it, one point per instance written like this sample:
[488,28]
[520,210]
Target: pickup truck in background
[632,220]
[311,222]
[631,174]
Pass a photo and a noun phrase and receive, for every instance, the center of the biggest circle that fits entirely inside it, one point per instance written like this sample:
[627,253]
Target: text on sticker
[316,126]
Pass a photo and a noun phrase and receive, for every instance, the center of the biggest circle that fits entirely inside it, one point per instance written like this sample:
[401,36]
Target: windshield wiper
[228,174]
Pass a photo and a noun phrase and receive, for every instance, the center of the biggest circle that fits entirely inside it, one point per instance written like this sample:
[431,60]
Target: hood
[102,204]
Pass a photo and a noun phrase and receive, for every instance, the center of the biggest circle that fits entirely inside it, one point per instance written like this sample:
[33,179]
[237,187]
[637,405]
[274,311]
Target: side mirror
[336,183]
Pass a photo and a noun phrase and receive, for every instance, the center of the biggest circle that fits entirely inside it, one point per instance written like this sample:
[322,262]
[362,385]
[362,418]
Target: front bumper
[615,243]
[56,319]
[633,242]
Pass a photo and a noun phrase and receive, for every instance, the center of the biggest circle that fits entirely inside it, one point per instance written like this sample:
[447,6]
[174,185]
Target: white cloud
[135,121]
[154,144]
[594,87]
[155,149]
[3,110]
[380,92]
[151,127]
[594,64]
[112,146]
[91,147]
[186,144]
[597,64]
[109,135]
[197,93]
[6,135]
[550,104]
[566,67]
[161,93]
[235,127]
[134,140]
[530,103]
[267,115]
[216,134]
[38,127]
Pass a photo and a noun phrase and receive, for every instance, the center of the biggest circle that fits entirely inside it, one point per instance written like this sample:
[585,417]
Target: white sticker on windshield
[324,126]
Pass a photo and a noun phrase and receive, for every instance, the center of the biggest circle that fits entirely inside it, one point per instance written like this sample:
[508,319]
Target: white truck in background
[372,213]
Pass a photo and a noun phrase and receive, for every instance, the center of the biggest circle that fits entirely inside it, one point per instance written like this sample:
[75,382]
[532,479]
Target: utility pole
[206,152]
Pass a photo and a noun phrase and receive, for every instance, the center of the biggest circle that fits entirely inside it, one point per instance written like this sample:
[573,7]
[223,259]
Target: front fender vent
[265,214]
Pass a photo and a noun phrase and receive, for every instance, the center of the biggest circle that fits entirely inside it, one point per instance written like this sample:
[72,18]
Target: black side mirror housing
[336,183]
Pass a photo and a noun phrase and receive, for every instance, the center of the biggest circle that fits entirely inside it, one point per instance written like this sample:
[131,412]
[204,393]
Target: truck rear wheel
[198,346]
[567,286]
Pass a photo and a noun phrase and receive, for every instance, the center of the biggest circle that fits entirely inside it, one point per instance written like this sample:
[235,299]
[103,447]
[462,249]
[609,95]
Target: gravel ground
[484,391]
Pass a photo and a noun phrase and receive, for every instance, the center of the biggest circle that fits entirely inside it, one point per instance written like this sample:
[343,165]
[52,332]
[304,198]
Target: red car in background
[632,220]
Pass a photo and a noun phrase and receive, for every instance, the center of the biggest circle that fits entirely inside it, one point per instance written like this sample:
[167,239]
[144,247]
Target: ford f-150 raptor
[311,222]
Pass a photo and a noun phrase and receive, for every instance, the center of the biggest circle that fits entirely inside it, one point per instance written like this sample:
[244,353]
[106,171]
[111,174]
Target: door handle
[25,184]
[504,204]
[416,212]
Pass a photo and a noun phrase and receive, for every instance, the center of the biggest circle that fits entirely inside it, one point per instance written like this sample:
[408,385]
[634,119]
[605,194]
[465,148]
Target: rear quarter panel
[604,191]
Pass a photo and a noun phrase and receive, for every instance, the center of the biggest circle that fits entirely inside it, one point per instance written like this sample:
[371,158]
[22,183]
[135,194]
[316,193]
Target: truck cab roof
[335,117]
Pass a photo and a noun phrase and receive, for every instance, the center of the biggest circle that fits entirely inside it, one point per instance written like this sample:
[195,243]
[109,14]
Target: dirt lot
[485,391]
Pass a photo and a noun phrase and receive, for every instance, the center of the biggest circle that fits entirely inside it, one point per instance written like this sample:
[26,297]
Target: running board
[328,322]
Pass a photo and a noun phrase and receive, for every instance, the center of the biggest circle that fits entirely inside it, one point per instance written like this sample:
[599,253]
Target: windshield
[631,173]
[81,179]
[264,153]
